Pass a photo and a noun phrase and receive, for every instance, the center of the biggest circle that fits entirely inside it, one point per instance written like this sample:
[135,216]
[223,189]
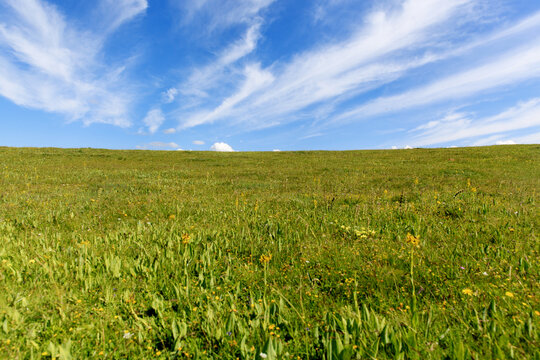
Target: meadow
[399,254]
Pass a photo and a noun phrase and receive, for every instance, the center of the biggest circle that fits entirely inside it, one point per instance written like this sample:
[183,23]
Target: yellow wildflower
[185,238]
[413,240]
[265,259]
[467,291]
[172,217]
[509,294]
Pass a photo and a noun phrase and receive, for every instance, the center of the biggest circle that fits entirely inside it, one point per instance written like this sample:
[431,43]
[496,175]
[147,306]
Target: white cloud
[384,47]
[158,145]
[47,63]
[116,12]
[206,79]
[170,95]
[408,147]
[513,67]
[242,47]
[212,75]
[221,147]
[153,120]
[533,138]
[490,140]
[198,142]
[169,131]
[276,150]
[525,115]
[505,142]
[219,14]
[365,60]
[394,147]
[255,79]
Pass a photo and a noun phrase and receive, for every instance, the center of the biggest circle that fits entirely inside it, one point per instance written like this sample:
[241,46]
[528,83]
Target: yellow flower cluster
[265,259]
[362,233]
[413,240]
[185,238]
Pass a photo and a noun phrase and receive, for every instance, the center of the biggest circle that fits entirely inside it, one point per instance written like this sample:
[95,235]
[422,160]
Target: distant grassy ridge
[390,254]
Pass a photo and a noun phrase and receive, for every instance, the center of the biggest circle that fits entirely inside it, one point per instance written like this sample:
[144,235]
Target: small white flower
[127,335]
[263,355]
[485,273]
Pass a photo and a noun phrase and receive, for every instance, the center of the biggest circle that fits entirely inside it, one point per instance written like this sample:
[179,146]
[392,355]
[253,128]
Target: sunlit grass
[321,255]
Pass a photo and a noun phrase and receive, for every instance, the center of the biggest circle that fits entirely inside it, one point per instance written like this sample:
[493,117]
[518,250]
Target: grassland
[403,254]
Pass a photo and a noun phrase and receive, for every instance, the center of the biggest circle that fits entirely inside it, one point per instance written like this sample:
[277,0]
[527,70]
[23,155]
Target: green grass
[304,255]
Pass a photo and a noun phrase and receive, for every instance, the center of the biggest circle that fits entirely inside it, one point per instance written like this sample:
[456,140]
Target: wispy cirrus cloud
[387,46]
[461,126]
[113,13]
[153,120]
[219,14]
[212,75]
[50,64]
[513,67]
[255,79]
[533,138]
[170,95]
[207,82]
[378,52]
[159,145]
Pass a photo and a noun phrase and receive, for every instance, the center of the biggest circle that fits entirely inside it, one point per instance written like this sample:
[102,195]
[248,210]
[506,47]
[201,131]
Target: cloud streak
[255,79]
[219,14]
[212,75]
[513,67]
[159,145]
[153,120]
[457,127]
[49,64]
[114,13]
[314,84]
[366,60]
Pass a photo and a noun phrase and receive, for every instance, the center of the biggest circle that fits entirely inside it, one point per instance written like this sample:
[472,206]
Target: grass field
[402,254]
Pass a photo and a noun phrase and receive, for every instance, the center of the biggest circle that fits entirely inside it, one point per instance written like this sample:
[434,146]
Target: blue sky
[261,75]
